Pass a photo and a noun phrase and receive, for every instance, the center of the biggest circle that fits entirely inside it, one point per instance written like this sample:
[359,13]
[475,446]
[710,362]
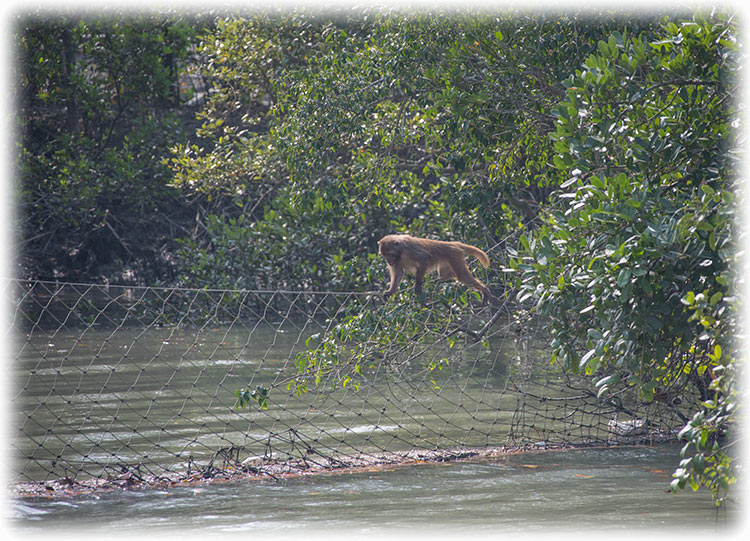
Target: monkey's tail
[476,252]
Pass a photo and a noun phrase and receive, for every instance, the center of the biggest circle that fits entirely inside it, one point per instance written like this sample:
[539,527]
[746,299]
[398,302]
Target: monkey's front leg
[396,275]
[419,275]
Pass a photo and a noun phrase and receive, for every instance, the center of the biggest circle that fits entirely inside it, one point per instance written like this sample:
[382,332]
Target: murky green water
[89,401]
[613,490]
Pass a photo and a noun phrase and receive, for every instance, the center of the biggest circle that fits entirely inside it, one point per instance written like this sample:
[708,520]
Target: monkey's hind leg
[463,274]
[445,273]
[419,281]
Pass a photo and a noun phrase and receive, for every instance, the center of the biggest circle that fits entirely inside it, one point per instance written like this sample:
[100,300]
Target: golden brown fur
[417,256]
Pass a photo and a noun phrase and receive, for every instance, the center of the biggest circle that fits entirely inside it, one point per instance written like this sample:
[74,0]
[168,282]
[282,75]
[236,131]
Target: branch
[112,230]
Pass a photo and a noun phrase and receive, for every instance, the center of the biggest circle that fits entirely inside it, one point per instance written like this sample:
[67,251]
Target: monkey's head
[390,248]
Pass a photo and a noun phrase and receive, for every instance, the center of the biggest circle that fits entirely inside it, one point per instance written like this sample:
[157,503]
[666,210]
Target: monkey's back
[426,254]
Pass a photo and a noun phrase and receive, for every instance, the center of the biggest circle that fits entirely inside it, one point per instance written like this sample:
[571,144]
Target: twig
[112,229]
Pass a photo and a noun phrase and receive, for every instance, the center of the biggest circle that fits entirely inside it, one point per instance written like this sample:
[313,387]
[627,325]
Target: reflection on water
[614,490]
[92,401]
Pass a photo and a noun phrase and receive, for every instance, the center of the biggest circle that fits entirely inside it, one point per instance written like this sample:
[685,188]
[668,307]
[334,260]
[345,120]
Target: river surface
[614,490]
[91,400]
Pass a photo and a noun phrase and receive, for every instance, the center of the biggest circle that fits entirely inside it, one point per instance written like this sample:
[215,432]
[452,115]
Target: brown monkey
[405,253]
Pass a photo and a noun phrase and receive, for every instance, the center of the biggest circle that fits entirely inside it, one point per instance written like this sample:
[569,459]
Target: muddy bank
[226,466]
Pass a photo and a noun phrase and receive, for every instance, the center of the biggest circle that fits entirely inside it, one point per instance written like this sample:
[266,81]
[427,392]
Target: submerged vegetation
[273,150]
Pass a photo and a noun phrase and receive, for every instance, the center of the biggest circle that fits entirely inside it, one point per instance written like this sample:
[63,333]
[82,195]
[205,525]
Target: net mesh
[132,385]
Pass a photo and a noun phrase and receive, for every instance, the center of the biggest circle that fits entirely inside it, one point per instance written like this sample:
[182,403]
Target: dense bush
[635,263]
[98,109]
[335,132]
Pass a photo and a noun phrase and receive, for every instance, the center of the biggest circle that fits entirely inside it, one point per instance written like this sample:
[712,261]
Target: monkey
[407,254]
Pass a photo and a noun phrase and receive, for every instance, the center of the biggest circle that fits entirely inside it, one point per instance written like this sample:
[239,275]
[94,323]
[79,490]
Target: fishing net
[125,386]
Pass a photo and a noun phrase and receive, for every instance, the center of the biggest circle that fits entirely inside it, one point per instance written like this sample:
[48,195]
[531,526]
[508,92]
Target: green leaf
[586,358]
[595,333]
[612,379]
[623,278]
[524,242]
[603,48]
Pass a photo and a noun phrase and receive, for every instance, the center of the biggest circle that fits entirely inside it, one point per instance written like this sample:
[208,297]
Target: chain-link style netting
[118,386]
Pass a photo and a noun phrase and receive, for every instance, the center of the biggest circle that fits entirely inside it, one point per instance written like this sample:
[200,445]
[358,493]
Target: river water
[95,398]
[90,401]
[613,490]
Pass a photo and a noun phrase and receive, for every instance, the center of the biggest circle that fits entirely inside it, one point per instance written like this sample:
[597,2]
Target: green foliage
[334,132]
[97,100]
[633,262]
[369,337]
[275,254]
[247,396]
[710,464]
[362,339]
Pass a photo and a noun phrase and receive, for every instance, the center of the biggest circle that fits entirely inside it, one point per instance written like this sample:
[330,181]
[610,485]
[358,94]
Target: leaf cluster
[633,264]
[333,132]
[98,106]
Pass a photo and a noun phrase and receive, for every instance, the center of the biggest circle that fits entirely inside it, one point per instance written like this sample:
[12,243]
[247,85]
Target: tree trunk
[70,97]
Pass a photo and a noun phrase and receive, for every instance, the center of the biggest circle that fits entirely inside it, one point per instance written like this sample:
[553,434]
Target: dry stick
[112,229]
